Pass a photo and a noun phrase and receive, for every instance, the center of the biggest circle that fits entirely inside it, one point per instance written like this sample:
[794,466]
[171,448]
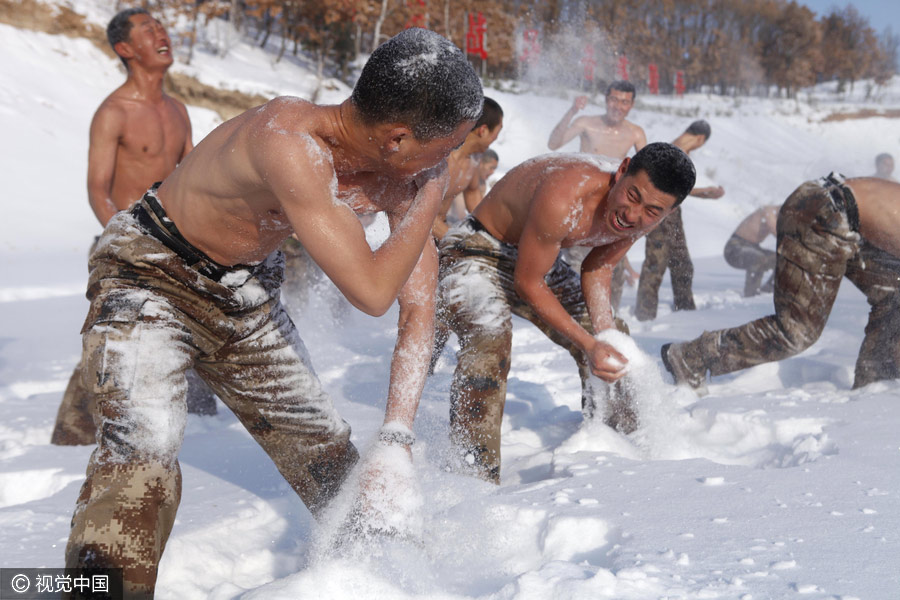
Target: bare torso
[462,169]
[878,201]
[614,141]
[221,196]
[505,210]
[760,224]
[151,143]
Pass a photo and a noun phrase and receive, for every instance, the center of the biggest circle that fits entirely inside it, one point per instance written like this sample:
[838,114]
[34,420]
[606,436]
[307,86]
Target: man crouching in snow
[827,229]
[190,277]
[504,259]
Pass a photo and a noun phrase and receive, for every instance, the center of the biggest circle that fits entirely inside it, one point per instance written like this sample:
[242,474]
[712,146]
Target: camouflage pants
[817,247]
[666,249]
[153,317]
[478,300]
[303,280]
[742,254]
[75,417]
[616,286]
[299,273]
[575,256]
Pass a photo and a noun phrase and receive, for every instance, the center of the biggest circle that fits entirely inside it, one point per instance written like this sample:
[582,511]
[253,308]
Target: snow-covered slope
[782,482]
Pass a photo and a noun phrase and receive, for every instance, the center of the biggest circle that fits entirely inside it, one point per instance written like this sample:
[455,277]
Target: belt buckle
[207,270]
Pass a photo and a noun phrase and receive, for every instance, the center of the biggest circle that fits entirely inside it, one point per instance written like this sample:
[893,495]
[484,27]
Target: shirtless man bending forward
[743,250]
[611,135]
[504,259]
[827,229]
[190,277]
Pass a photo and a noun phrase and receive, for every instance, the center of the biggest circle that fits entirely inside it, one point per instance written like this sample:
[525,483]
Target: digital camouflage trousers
[478,300]
[75,424]
[666,248]
[743,254]
[152,318]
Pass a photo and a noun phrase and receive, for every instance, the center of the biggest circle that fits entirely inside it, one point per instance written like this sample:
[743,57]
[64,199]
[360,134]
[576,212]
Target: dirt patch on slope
[866,113]
[228,103]
[61,20]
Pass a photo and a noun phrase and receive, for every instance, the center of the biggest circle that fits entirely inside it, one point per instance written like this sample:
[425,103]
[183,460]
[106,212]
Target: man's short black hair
[491,114]
[621,85]
[883,156]
[669,168]
[119,28]
[422,80]
[489,154]
[700,127]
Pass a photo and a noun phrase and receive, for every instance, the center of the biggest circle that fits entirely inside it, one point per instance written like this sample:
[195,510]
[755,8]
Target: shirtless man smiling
[190,276]
[504,259]
[139,134]
[610,134]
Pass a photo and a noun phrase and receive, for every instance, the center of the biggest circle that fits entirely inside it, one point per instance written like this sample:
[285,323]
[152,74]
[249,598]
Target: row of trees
[726,46]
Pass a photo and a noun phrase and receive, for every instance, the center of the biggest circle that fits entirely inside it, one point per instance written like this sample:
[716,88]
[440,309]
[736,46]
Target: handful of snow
[381,498]
[627,347]
[640,392]
[656,404]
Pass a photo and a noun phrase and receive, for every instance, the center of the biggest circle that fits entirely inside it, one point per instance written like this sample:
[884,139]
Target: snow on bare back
[809,494]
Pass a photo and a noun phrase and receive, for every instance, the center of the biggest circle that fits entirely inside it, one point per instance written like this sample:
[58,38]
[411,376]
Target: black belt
[169,235]
[843,198]
[476,225]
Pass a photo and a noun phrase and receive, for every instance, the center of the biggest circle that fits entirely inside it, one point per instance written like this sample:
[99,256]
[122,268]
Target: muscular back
[760,224]
[878,201]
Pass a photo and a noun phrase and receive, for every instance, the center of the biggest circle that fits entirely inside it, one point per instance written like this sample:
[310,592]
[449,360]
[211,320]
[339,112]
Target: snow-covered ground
[781,483]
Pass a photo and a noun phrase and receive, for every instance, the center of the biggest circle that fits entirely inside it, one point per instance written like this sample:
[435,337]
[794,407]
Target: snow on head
[421,79]
[415,66]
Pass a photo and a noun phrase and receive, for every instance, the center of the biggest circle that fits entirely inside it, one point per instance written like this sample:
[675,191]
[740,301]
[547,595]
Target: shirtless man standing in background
[609,135]
[138,136]
[463,163]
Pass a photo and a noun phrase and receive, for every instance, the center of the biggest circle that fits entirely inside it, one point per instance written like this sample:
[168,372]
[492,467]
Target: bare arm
[640,138]
[474,193]
[631,276]
[189,134]
[440,227]
[713,192]
[539,246]
[106,130]
[596,280]
[331,232]
[563,133]
[771,219]
[415,336]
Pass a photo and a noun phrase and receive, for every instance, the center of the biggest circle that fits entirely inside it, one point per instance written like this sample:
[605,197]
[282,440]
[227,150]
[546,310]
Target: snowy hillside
[781,483]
